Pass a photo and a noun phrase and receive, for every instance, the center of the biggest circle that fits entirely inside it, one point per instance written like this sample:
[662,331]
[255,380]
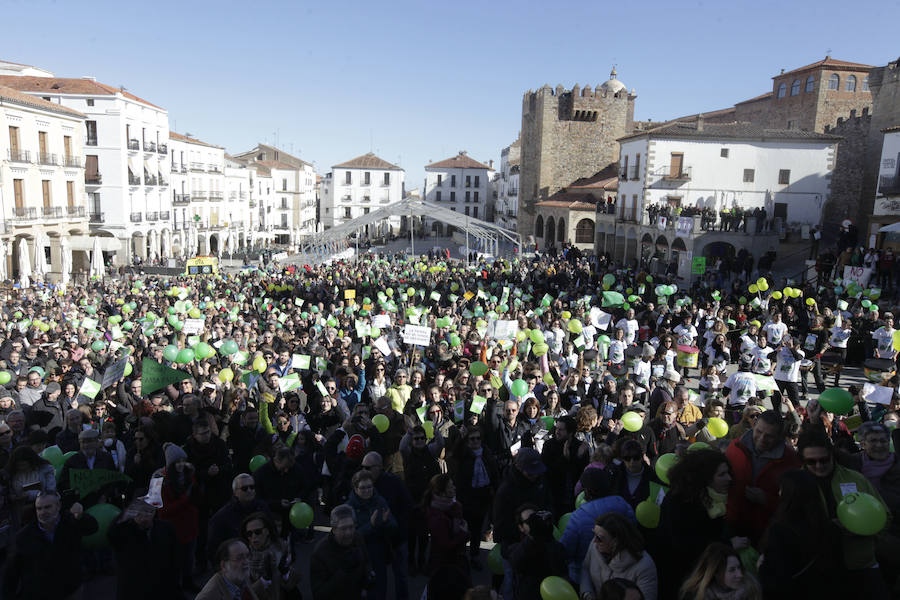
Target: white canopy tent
[97,267]
[892,228]
[39,264]
[24,264]
[66,250]
[315,249]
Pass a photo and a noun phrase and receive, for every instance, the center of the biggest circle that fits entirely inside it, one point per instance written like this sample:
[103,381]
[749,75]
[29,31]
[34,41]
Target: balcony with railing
[73,161]
[237,224]
[93,179]
[134,144]
[347,198]
[133,179]
[152,217]
[197,195]
[889,185]
[52,212]
[673,174]
[75,211]
[244,195]
[19,156]
[216,195]
[24,213]
[96,217]
[164,215]
[162,149]
[45,158]
[162,181]
[90,141]
[213,168]
[181,199]
[178,168]
[137,217]
[150,147]
[198,166]
[150,179]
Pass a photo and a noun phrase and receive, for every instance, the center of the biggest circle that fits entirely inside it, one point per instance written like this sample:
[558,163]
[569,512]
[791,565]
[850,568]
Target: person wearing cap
[524,483]
[145,548]
[664,390]
[89,456]
[179,494]
[48,414]
[46,561]
[599,500]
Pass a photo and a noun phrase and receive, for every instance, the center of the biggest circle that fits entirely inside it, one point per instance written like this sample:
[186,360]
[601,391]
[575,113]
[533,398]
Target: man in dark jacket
[47,559]
[212,467]
[394,492]
[280,484]
[339,566]
[523,484]
[47,413]
[226,523]
[506,432]
[92,457]
[145,554]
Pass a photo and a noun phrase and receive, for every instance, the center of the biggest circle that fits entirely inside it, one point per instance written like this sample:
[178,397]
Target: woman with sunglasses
[378,384]
[631,473]
[271,562]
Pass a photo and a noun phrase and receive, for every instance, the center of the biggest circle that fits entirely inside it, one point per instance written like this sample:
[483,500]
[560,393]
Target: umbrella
[24,264]
[66,251]
[4,251]
[40,258]
[97,268]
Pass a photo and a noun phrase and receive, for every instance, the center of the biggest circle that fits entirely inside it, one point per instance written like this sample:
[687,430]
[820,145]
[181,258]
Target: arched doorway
[584,231]
[646,248]
[561,230]
[722,250]
[550,236]
[678,247]
[539,227]
[214,244]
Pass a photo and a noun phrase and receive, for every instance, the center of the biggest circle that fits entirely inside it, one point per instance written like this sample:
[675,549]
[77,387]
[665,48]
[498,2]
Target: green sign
[698,265]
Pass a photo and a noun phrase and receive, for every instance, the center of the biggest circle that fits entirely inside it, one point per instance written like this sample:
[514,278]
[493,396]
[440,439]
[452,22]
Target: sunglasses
[475,438]
[255,532]
[418,438]
[247,488]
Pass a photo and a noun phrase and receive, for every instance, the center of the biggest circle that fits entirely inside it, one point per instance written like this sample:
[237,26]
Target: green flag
[612,299]
[289,382]
[85,481]
[155,376]
[89,388]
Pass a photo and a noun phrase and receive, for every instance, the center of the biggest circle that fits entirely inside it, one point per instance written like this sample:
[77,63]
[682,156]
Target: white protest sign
[192,326]
[503,330]
[877,394]
[858,274]
[600,319]
[416,335]
[381,321]
[382,345]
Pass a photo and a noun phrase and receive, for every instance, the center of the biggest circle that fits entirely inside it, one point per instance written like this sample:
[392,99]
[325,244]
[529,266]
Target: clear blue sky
[419,81]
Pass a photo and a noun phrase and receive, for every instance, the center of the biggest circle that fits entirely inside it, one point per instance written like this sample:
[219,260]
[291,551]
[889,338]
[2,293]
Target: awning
[892,228]
[86,242]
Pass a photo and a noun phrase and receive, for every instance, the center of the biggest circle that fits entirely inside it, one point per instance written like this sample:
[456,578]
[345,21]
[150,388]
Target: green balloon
[564,521]
[98,346]
[836,400]
[204,350]
[519,387]
[647,513]
[105,514]
[301,515]
[580,499]
[663,464]
[185,356]
[862,514]
[170,352]
[257,461]
[495,561]
[557,588]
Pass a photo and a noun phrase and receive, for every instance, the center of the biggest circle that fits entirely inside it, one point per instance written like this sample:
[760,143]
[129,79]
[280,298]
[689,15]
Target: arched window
[810,83]
[539,227]
[851,83]
[782,90]
[834,82]
[584,232]
[795,88]
[865,85]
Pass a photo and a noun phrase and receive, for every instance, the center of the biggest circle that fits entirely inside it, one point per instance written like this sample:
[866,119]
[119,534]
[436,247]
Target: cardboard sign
[193,326]
[415,335]
[114,373]
[698,265]
[860,275]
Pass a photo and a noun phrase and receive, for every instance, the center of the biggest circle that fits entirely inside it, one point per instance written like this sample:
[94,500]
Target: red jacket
[180,510]
[745,517]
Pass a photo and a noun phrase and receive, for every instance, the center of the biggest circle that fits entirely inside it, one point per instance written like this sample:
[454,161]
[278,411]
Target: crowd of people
[560,421]
[728,219]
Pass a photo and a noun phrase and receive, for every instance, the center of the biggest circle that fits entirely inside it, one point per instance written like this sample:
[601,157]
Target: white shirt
[630,327]
[787,368]
[686,335]
[617,352]
[775,332]
[743,387]
[839,337]
[762,364]
[748,343]
[884,337]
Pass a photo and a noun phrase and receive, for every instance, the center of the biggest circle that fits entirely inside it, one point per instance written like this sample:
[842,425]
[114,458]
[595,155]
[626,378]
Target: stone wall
[844,202]
[752,111]
[566,135]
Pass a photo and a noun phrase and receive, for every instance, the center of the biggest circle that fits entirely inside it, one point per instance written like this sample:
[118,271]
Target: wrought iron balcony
[93,178]
[75,211]
[51,212]
[132,144]
[24,213]
[47,159]
[162,181]
[164,215]
[198,195]
[152,216]
[213,168]
[96,217]
[137,217]
[216,195]
[198,166]
[149,146]
[73,161]
[668,173]
[163,149]
[150,180]
[91,141]
[134,179]
[20,156]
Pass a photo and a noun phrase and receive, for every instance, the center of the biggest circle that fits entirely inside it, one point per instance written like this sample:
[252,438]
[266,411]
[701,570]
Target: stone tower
[568,134]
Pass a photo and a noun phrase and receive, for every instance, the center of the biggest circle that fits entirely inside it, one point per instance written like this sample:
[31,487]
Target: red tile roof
[460,161]
[366,161]
[277,164]
[190,140]
[605,179]
[64,85]
[565,203]
[828,63]
[17,97]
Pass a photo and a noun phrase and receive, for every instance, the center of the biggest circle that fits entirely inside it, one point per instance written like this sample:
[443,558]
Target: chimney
[700,122]
[491,163]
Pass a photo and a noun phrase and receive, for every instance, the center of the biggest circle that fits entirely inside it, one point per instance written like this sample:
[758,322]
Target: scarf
[716,507]
[480,477]
[874,470]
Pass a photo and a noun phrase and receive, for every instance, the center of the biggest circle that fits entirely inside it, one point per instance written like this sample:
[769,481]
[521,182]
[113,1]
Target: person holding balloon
[271,560]
[856,503]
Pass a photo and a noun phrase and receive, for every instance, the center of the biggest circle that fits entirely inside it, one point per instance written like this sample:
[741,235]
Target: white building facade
[461,184]
[360,186]
[507,211]
[126,161]
[887,196]
[42,192]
